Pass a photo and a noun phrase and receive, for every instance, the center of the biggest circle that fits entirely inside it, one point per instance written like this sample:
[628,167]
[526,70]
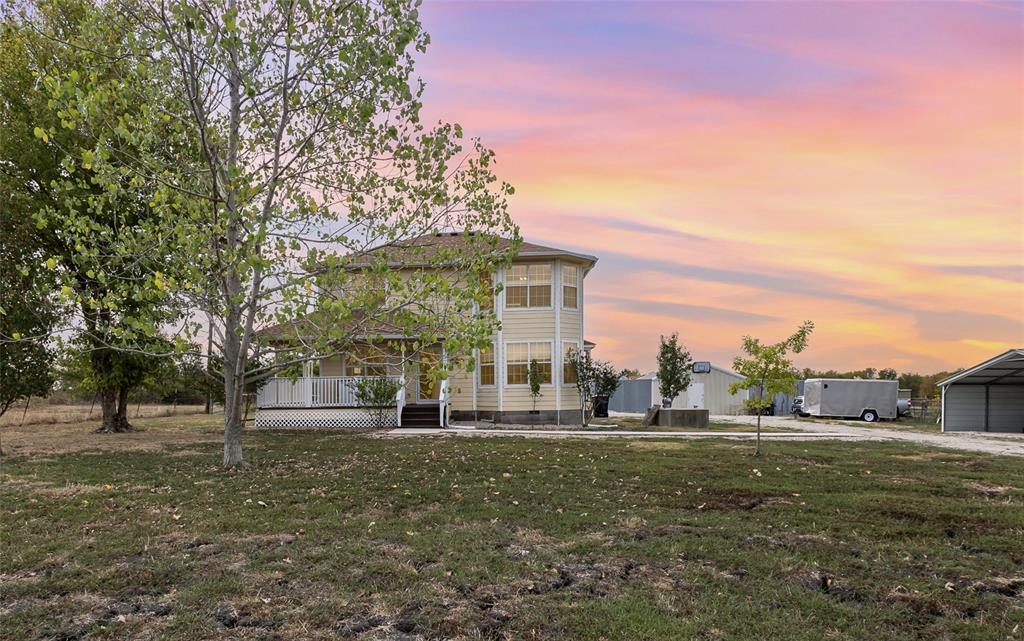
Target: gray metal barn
[708,390]
[986,398]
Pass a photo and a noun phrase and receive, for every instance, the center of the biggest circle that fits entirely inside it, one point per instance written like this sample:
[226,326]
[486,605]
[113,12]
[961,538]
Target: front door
[428,388]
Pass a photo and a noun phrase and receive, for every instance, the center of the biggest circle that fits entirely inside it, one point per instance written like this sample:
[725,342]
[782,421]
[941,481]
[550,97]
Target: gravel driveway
[990,443]
[986,443]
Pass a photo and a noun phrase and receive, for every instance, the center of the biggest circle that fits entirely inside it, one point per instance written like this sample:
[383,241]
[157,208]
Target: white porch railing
[316,391]
[443,405]
[400,399]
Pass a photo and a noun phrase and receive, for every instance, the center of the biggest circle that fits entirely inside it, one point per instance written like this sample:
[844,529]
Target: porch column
[307,380]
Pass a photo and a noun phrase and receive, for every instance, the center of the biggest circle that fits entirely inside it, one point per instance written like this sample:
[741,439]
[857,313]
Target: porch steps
[421,416]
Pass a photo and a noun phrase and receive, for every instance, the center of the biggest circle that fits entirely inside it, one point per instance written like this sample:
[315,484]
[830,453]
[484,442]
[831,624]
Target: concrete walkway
[986,443]
[565,433]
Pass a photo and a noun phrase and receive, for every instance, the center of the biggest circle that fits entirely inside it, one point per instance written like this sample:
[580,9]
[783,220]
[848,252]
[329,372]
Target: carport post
[943,407]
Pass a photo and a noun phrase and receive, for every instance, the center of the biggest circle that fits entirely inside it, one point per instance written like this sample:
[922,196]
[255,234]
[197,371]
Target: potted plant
[606,381]
[674,364]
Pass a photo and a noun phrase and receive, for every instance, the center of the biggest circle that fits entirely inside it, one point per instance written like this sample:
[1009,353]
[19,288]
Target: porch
[317,391]
[322,398]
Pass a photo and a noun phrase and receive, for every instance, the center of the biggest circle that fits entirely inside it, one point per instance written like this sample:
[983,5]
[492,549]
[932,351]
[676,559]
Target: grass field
[39,412]
[336,536]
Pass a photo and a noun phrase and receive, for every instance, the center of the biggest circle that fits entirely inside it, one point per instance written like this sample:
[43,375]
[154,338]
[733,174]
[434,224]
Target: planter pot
[666,403]
[683,418]
[601,407]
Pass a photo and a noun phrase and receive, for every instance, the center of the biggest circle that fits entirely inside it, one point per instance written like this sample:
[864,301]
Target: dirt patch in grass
[990,490]
[105,612]
[50,490]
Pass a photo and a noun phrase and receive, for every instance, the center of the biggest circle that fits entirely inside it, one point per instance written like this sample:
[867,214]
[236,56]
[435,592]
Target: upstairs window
[570,282]
[528,286]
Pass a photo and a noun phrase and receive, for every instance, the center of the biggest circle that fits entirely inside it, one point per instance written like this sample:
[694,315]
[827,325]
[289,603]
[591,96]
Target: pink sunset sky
[739,168]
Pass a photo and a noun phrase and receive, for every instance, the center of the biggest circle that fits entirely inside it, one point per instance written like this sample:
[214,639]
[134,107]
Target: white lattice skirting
[318,418]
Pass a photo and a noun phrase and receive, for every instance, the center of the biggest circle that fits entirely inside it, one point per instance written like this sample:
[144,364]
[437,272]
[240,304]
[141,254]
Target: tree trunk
[122,410]
[114,405]
[233,393]
[757,447]
[233,429]
[234,356]
[108,409]
[760,410]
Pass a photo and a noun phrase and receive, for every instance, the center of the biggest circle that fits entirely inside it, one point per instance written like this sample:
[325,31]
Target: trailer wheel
[869,416]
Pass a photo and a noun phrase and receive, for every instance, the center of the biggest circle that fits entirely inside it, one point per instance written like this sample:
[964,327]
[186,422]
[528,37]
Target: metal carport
[986,398]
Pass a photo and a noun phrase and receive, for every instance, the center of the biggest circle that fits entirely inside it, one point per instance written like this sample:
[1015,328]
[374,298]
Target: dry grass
[330,535]
[41,413]
[155,433]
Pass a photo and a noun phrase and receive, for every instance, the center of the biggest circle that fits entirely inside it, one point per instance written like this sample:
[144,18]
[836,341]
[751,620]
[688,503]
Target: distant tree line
[921,385]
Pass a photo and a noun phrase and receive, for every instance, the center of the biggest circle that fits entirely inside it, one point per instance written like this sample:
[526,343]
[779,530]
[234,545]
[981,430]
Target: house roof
[359,325]
[428,249]
[1005,369]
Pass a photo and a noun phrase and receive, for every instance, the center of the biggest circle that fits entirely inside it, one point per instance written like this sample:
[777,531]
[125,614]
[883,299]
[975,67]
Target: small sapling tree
[581,367]
[534,378]
[674,364]
[766,369]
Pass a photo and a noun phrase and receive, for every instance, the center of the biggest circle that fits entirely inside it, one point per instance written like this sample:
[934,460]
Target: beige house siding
[460,384]
[518,399]
[522,324]
[570,325]
[555,325]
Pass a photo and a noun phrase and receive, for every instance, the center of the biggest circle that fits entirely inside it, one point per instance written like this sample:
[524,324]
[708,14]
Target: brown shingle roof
[359,326]
[429,249]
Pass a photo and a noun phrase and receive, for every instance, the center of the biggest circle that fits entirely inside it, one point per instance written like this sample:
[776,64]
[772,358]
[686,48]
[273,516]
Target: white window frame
[480,365]
[561,372]
[562,285]
[551,290]
[529,357]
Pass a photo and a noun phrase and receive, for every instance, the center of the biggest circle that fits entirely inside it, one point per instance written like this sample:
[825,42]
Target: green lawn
[334,536]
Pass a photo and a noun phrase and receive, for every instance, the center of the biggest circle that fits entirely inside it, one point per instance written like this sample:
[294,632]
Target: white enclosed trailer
[850,398]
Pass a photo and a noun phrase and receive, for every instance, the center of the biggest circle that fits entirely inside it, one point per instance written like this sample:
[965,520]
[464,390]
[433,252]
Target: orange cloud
[867,189]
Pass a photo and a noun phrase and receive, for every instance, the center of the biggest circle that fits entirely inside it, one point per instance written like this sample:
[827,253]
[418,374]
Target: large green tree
[49,161]
[292,145]
[767,370]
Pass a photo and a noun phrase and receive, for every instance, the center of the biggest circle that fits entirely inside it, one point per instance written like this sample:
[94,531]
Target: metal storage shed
[708,390]
[986,398]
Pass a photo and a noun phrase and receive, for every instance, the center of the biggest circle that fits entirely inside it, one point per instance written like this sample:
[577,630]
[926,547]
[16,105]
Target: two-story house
[540,312]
